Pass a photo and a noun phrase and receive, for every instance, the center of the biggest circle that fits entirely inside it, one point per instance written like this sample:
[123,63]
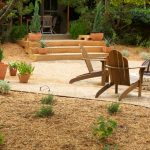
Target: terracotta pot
[107,49]
[34,36]
[24,78]
[96,36]
[3,69]
[42,50]
[12,71]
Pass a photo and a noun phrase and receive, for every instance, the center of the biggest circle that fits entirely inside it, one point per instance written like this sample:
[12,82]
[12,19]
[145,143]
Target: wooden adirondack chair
[92,73]
[119,74]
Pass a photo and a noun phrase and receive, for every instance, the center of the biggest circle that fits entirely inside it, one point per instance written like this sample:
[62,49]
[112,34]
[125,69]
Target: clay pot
[24,78]
[12,71]
[34,50]
[42,50]
[34,36]
[96,36]
[3,69]
[107,49]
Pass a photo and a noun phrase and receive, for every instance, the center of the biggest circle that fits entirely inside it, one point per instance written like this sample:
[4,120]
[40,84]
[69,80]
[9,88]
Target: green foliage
[43,44]
[13,65]
[4,87]
[103,128]
[48,99]
[45,111]
[144,55]
[113,108]
[1,139]
[25,68]
[1,54]
[97,26]
[35,22]
[125,53]
[18,32]
[108,147]
[78,28]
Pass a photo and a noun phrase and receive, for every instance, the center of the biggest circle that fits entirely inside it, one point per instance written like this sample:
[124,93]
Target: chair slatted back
[47,21]
[86,58]
[119,74]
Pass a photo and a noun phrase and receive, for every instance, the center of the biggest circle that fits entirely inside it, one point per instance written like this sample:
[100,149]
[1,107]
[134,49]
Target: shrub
[25,68]
[108,147]
[48,99]
[144,55]
[113,108]
[1,139]
[4,87]
[125,53]
[18,32]
[103,128]
[45,111]
[1,54]
[78,28]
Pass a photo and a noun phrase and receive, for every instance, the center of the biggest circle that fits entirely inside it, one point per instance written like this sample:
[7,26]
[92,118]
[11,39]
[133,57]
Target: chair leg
[139,89]
[116,88]
[131,87]
[104,88]
[85,76]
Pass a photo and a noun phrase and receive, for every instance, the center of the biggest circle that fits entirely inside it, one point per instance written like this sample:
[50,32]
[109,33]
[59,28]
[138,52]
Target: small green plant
[103,128]
[144,55]
[13,65]
[113,108]
[49,99]
[45,111]
[1,54]
[125,53]
[108,147]
[1,139]
[25,68]
[43,44]
[4,87]
[108,42]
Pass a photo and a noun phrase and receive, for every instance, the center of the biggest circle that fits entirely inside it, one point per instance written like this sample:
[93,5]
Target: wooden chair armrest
[141,67]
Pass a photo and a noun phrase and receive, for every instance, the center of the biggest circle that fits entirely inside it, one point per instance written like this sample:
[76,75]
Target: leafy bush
[1,139]
[4,87]
[25,68]
[18,32]
[144,55]
[45,111]
[78,28]
[48,99]
[103,128]
[125,53]
[113,108]
[1,54]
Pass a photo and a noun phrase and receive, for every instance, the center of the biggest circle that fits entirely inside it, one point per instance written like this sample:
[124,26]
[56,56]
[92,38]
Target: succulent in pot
[108,46]
[3,66]
[42,49]
[13,68]
[25,70]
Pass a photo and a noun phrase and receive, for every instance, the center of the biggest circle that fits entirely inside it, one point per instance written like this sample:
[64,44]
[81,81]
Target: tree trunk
[6,10]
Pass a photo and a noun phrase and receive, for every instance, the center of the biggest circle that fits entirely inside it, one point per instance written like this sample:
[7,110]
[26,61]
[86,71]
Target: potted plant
[108,46]
[97,34]
[25,70]
[42,49]
[13,68]
[35,26]
[3,66]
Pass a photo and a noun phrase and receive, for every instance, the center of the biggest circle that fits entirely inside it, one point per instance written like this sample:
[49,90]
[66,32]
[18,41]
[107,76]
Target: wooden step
[55,36]
[71,49]
[68,43]
[64,56]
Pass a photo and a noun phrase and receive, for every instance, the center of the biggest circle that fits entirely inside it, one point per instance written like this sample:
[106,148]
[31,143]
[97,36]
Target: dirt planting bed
[70,128]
